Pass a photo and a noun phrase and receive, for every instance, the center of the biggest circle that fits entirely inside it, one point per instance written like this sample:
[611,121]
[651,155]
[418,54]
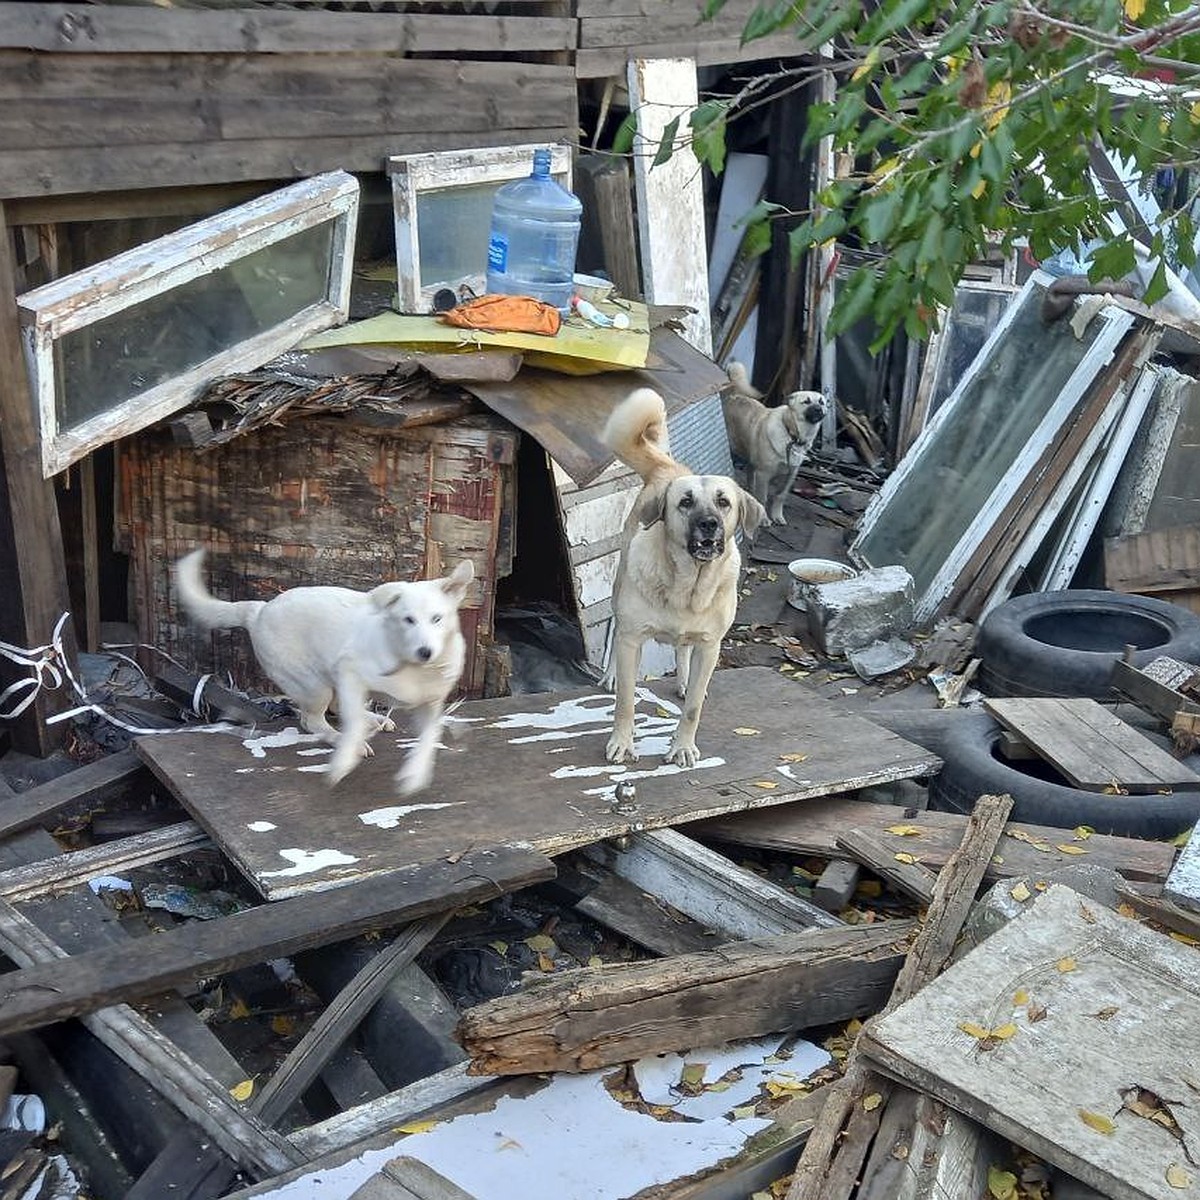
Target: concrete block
[1183,883]
[848,614]
[833,890]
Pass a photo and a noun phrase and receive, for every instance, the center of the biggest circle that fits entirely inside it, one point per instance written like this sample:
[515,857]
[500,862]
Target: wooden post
[30,538]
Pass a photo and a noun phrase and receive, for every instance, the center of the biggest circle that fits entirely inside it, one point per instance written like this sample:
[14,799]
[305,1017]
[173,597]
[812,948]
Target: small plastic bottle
[535,232]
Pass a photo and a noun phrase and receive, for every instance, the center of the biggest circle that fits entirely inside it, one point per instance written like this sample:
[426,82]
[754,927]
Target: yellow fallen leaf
[765,784]
[1134,8]
[1100,1124]
[1002,1185]
[283,1025]
[595,961]
[418,1126]
[693,1074]
[1185,938]
[242,1091]
[1004,1032]
[793,758]
[1177,1177]
[1110,1010]
[853,1027]
[870,888]
[872,1102]
[1021,892]
[545,963]
[662,712]
[1021,998]
[541,943]
[909,859]
[1083,832]
[868,63]
[501,948]
[1181,839]
[1066,964]
[1127,910]
[238,1010]
[905,830]
[746,731]
[746,1110]
[975,1031]
[1067,848]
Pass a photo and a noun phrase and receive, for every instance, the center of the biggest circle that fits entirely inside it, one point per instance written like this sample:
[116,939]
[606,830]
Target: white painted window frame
[1117,323]
[134,276]
[413,174]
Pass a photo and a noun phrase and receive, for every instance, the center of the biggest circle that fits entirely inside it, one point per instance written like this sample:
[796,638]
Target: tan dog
[772,441]
[400,641]
[677,581]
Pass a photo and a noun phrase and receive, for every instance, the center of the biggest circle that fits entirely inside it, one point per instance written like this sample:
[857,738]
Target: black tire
[1065,643]
[974,768]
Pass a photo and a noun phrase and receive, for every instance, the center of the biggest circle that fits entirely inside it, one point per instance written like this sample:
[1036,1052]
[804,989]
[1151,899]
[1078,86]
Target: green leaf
[757,240]
[666,145]
[1113,260]
[877,216]
[853,301]
[1156,289]
[711,9]
[623,139]
[708,134]
[955,38]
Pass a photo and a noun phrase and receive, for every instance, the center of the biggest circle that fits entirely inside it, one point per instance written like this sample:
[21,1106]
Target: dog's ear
[385,595]
[653,509]
[456,583]
[751,514]
[790,423]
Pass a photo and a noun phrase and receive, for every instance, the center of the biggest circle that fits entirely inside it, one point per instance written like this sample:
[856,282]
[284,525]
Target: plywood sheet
[1121,1007]
[525,769]
[1091,746]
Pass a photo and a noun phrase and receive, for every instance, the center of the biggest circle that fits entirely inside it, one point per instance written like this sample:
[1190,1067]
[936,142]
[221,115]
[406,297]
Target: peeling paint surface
[305,862]
[389,818]
[572,1140]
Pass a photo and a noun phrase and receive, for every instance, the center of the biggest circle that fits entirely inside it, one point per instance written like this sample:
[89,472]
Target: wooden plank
[912,878]
[834,1154]
[1165,912]
[409,1179]
[813,828]
[605,189]
[1156,560]
[523,768]
[1155,687]
[670,197]
[581,1020]
[133,29]
[1091,745]
[709,888]
[18,884]
[1122,1008]
[95,782]
[37,596]
[85,982]
[1183,883]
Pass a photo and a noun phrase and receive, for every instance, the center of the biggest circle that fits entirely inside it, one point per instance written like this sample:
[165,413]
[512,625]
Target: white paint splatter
[786,771]
[260,826]
[305,862]
[315,751]
[609,791]
[291,736]
[389,818]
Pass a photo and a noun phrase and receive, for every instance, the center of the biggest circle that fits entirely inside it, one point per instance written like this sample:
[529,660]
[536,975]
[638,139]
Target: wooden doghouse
[316,500]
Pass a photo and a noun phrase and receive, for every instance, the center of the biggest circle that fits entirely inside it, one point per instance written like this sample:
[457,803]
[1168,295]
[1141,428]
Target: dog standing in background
[677,581]
[773,442]
[334,645]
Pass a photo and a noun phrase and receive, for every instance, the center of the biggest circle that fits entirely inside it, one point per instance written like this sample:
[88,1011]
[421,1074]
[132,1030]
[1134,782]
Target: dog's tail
[636,433]
[206,609]
[740,378]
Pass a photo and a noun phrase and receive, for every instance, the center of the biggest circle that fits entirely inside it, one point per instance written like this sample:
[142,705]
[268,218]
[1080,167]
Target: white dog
[677,579]
[321,645]
[772,441]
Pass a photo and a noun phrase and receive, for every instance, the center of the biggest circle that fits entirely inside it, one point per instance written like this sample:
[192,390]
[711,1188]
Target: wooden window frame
[413,174]
[119,283]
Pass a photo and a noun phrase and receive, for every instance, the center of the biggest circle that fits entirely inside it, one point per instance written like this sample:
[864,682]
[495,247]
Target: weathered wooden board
[1121,1007]
[815,826]
[1183,884]
[1091,745]
[521,769]
[93,979]
[1157,560]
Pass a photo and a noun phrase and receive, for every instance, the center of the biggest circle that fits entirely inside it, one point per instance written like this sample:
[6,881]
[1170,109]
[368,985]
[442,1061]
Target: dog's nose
[813,414]
[707,526]
[424,653]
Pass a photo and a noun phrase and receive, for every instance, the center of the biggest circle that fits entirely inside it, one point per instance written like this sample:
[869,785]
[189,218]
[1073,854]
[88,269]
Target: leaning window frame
[119,283]
[412,174]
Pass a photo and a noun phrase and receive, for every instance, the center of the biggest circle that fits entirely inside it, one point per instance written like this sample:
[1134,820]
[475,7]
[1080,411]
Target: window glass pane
[976,442]
[105,363]
[453,225]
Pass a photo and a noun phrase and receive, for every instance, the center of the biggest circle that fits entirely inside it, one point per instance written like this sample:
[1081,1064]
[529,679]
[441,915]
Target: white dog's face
[804,417]
[420,617]
[702,513]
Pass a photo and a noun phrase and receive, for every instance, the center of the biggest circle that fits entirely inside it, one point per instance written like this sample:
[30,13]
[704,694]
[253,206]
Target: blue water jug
[535,231]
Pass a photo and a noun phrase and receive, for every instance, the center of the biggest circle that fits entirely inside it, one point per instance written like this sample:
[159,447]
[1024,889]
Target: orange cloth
[505,314]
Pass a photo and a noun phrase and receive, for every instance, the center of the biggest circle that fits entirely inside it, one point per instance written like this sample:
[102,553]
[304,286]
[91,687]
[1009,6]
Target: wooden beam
[891,864]
[94,782]
[36,595]
[595,1017]
[833,1156]
[51,991]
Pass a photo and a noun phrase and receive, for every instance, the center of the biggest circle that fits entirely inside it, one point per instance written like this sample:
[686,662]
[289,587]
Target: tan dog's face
[702,513]
[804,413]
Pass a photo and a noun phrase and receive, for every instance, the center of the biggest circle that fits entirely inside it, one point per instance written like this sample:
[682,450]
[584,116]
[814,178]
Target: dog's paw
[776,518]
[607,682]
[620,749]
[338,769]
[684,755]
[413,777]
[681,689]
[383,723]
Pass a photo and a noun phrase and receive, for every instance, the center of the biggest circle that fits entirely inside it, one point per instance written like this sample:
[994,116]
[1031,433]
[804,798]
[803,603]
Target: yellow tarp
[578,348]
